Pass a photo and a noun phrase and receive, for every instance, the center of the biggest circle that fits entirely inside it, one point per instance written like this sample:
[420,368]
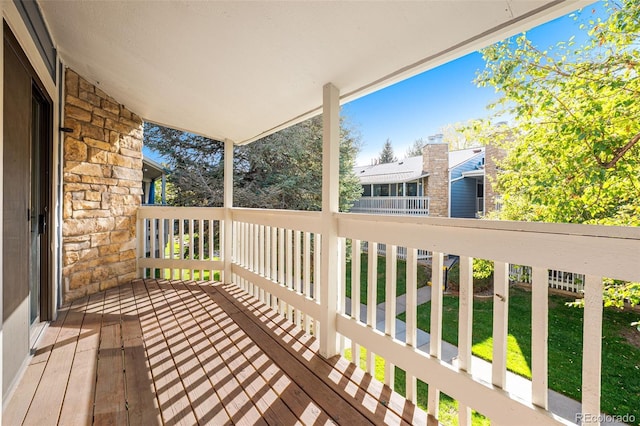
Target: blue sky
[422,105]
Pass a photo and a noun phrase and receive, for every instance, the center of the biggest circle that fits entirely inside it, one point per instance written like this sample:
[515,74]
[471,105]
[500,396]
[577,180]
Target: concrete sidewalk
[519,386]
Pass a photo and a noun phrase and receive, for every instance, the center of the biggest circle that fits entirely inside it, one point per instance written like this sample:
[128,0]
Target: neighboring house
[438,183]
[151,172]
[393,188]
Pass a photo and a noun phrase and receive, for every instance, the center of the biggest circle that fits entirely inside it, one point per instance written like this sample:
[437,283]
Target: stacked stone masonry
[435,161]
[102,187]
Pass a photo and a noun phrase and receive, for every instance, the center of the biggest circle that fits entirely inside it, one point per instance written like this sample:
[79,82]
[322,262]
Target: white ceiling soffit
[241,70]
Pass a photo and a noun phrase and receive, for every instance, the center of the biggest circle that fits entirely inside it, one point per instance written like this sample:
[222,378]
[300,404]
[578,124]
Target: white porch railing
[276,257]
[180,243]
[392,205]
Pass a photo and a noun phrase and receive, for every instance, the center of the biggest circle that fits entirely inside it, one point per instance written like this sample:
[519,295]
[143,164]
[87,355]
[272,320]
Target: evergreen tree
[280,171]
[386,155]
[416,149]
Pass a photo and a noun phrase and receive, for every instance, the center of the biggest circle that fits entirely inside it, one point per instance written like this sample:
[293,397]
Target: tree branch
[620,153]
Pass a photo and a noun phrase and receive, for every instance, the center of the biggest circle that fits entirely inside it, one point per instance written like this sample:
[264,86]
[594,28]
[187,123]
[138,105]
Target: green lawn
[401,288]
[172,249]
[620,363]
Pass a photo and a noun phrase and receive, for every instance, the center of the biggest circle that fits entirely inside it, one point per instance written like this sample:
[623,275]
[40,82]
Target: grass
[173,248]
[448,408]
[401,282]
[620,359]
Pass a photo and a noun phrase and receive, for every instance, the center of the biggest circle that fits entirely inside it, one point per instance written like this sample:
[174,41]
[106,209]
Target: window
[366,190]
[412,189]
[381,190]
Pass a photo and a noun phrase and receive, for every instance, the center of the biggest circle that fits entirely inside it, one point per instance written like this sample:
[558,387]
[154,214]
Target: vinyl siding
[463,191]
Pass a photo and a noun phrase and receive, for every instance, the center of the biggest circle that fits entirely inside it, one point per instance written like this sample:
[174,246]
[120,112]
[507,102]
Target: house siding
[102,187]
[463,198]
[463,191]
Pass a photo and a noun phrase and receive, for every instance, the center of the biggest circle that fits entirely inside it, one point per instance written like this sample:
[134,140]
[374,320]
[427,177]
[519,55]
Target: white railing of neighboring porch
[392,205]
[276,257]
[401,252]
[559,280]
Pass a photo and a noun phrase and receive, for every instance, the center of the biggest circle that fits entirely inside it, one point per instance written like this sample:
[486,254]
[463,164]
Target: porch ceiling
[241,70]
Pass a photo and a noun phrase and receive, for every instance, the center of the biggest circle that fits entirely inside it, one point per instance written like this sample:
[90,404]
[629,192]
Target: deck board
[77,407]
[175,352]
[353,382]
[247,362]
[53,384]
[142,406]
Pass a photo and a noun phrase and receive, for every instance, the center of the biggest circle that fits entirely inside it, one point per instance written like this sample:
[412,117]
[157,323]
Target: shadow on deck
[176,352]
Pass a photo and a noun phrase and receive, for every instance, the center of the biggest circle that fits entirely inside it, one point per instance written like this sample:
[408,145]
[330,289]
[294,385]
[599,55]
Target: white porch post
[330,195]
[592,350]
[228,204]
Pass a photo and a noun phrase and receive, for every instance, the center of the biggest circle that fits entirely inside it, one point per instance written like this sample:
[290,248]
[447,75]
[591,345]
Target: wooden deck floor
[159,352]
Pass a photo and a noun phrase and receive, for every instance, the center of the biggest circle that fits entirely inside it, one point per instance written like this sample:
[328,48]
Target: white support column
[500,323]
[330,196]
[592,350]
[412,315]
[539,337]
[142,237]
[435,341]
[465,328]
[390,307]
[465,323]
[227,241]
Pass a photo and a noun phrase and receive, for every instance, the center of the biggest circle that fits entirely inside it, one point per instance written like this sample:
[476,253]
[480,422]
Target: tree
[577,116]
[283,170]
[416,149]
[386,155]
[460,135]
[457,136]
[195,162]
[574,152]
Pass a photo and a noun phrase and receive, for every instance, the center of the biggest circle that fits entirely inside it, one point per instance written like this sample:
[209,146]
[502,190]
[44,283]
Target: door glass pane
[34,209]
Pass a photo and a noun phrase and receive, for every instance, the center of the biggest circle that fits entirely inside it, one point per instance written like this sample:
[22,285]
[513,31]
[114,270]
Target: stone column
[102,186]
[435,161]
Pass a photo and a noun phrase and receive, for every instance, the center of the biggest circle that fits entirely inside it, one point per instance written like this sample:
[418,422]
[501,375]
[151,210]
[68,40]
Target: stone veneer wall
[102,187]
[492,157]
[435,161]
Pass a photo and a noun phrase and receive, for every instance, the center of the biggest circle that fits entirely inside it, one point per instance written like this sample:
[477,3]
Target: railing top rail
[612,252]
[621,232]
[290,219]
[274,212]
[170,212]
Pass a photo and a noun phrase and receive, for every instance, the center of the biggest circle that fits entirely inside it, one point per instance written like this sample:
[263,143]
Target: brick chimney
[435,161]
